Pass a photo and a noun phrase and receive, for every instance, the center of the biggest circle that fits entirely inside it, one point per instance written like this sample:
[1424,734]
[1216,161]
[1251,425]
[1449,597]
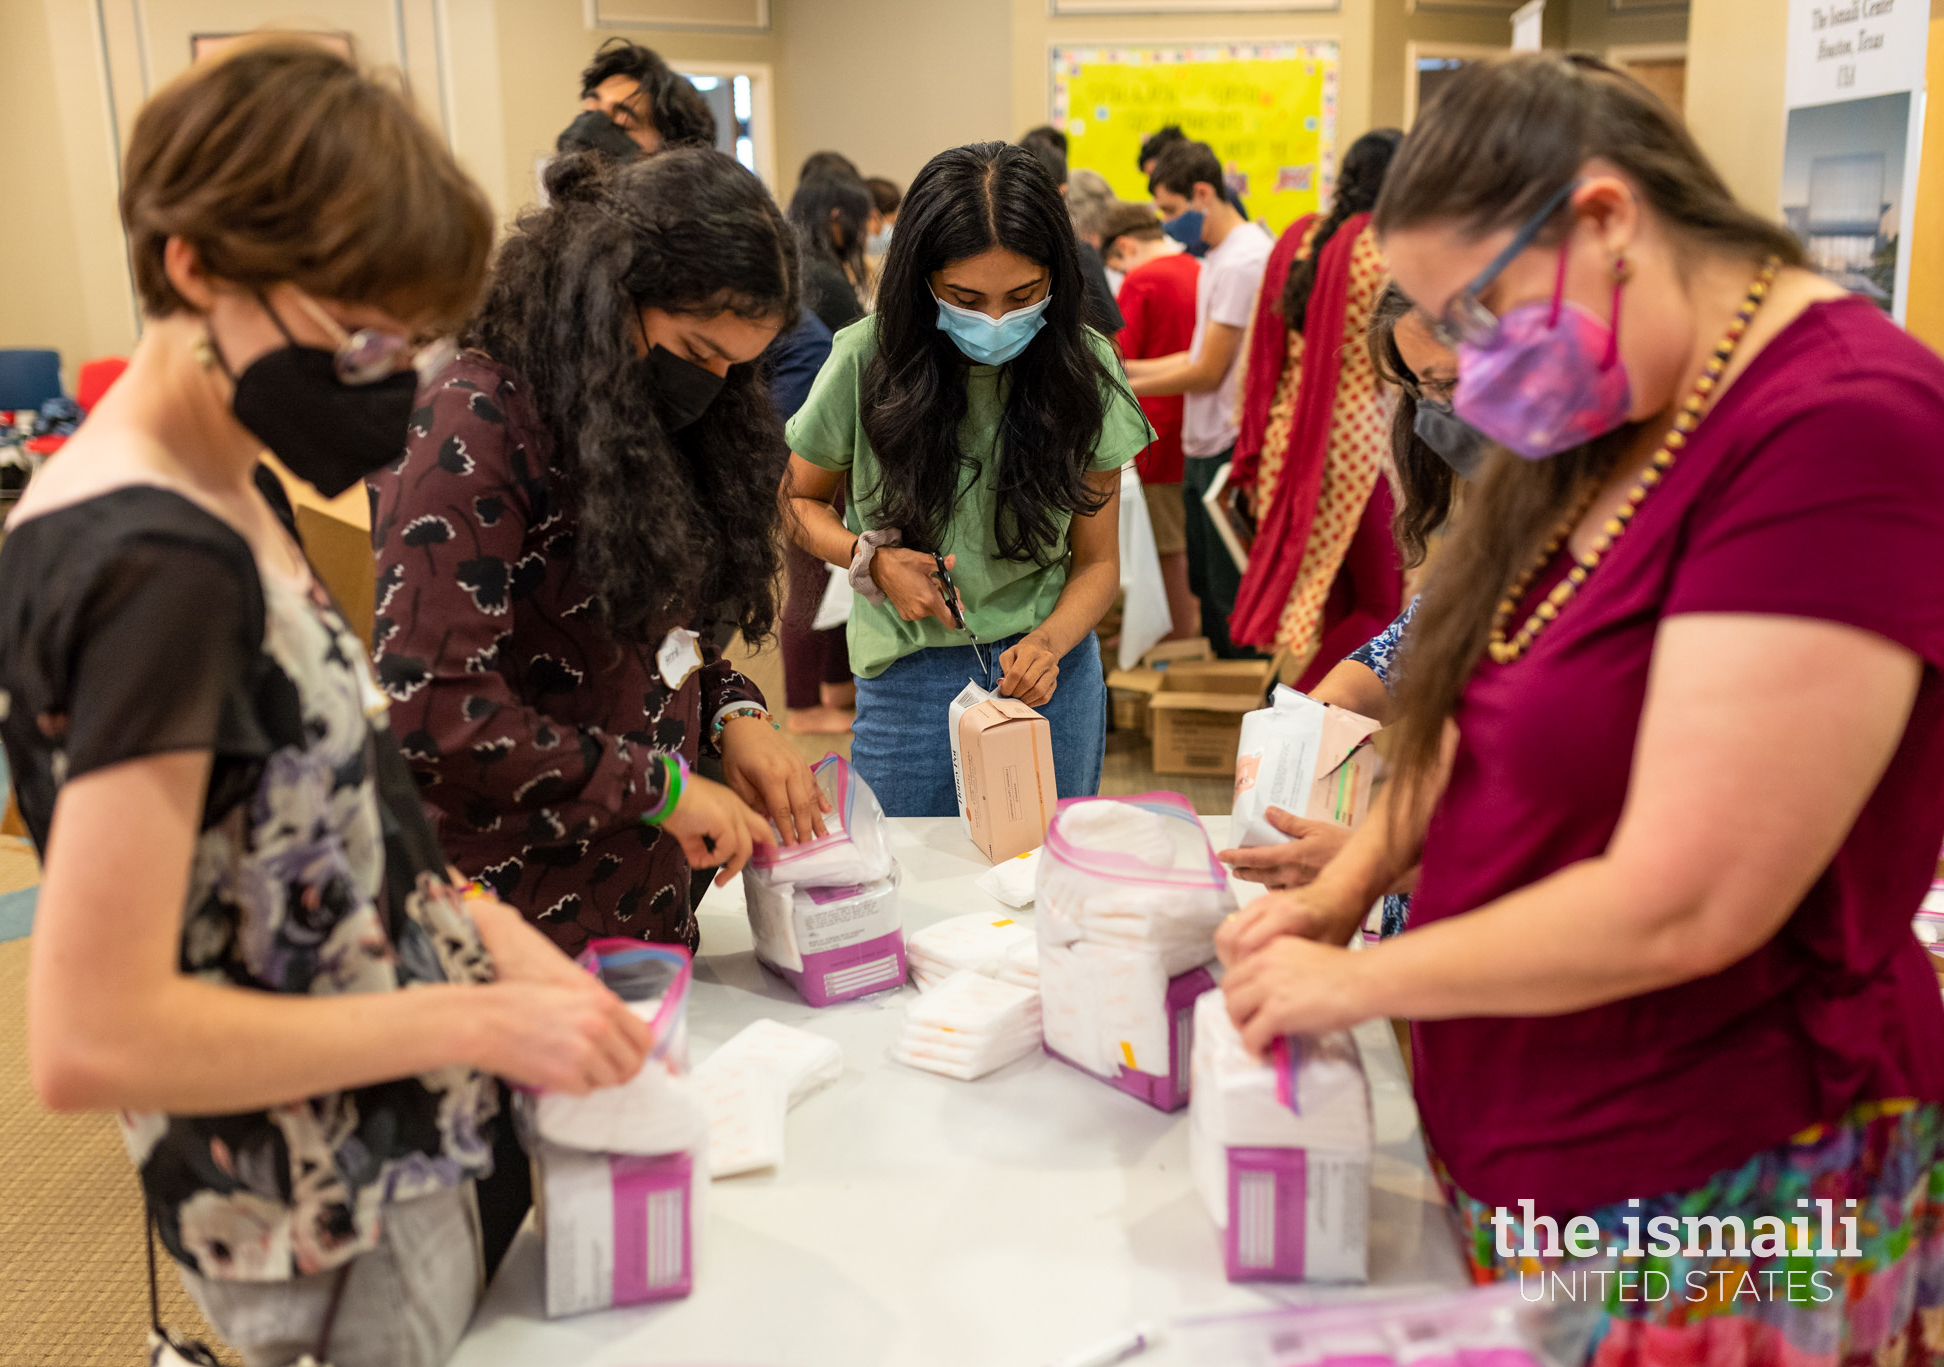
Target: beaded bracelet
[740,709]
[675,772]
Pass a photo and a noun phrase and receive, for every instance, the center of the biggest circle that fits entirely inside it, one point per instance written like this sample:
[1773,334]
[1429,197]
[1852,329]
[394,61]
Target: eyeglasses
[1465,319]
[371,354]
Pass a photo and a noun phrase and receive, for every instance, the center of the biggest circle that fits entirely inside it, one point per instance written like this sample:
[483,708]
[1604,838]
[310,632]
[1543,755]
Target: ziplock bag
[1486,1326]
[857,849]
[832,944]
[1123,937]
[656,1111]
[1281,1151]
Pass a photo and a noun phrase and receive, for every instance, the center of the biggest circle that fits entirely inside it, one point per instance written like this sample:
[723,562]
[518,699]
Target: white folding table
[926,1222]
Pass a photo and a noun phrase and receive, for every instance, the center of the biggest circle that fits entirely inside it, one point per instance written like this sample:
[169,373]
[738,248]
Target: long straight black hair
[831,212]
[967,201]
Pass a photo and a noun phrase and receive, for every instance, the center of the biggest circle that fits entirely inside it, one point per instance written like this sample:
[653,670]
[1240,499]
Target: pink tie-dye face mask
[1548,378]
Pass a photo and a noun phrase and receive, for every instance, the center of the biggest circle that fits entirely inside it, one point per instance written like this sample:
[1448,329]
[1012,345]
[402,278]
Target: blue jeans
[900,745]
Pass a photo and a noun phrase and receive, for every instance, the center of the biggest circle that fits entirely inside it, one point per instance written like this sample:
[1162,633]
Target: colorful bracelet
[675,772]
[740,709]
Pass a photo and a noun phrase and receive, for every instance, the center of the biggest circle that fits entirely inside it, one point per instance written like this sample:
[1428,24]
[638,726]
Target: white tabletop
[1006,1222]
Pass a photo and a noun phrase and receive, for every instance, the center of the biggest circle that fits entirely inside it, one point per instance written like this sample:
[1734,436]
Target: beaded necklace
[1505,651]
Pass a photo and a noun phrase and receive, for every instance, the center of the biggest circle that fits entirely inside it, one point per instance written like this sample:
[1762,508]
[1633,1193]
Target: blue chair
[29,377]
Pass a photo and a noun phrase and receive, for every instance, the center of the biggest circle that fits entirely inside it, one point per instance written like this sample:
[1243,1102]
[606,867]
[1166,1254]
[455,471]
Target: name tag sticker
[678,657]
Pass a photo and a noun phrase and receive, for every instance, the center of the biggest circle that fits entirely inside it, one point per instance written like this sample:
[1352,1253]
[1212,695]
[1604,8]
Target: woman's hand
[1293,987]
[563,1037]
[716,827]
[767,773]
[1296,862]
[520,953]
[910,580]
[1030,671]
[1303,913]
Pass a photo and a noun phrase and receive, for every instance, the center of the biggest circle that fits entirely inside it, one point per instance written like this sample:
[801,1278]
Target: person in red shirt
[1157,298]
[1667,749]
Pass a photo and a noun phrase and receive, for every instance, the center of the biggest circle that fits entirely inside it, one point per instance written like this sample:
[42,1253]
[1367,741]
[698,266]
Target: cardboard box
[1197,713]
[1132,689]
[1007,753]
[1308,758]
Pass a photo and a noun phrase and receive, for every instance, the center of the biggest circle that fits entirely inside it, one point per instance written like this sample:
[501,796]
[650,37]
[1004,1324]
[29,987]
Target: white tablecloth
[917,1220]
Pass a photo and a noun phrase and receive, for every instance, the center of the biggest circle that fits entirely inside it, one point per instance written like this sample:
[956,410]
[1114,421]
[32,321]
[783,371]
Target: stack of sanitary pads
[977,943]
[968,1026]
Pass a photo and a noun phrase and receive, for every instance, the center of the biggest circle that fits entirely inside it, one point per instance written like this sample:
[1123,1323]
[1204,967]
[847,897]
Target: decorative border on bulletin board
[1065,62]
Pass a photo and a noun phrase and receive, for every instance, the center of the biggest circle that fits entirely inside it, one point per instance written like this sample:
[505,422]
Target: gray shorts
[406,1302]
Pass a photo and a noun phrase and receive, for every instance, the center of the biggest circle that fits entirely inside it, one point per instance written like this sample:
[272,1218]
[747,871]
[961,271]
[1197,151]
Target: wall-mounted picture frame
[702,16]
[1504,7]
[1647,6]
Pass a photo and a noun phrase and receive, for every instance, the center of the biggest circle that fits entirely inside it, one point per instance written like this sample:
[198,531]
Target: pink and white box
[831,944]
[617,1229]
[1288,1184]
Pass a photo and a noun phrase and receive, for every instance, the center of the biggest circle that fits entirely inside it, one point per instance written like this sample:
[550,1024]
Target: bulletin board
[1268,110]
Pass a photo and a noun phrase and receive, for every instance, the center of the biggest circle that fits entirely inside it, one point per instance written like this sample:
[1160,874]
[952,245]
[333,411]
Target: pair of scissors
[958,612]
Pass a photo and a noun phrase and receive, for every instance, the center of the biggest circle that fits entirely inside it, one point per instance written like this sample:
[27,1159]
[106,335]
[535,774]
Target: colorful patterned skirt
[1879,1302]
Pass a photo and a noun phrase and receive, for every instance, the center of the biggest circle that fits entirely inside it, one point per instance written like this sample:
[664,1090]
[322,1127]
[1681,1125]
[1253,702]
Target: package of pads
[616,1229]
[619,1171]
[968,1026]
[856,850]
[831,943]
[1129,896]
[977,942]
[1011,880]
[1280,1151]
[1308,758]
[749,1085]
[1020,965]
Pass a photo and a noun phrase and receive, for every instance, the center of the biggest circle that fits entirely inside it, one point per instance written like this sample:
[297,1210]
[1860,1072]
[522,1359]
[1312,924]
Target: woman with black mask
[581,514]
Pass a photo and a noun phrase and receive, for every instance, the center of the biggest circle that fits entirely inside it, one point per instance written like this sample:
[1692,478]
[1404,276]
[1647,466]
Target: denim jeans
[901,746]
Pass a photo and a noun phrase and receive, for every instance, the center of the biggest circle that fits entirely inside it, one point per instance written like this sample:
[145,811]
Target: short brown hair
[279,161]
[1136,221]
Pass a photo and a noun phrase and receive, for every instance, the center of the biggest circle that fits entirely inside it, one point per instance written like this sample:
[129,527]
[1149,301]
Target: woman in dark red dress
[1671,737]
[581,519]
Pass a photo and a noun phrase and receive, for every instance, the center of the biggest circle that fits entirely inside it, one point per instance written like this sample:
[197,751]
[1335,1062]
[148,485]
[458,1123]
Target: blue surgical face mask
[987,340]
[879,242]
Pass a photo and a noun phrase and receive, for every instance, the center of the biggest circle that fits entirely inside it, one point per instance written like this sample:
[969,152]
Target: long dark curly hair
[966,201]
[673,526]
[1357,186]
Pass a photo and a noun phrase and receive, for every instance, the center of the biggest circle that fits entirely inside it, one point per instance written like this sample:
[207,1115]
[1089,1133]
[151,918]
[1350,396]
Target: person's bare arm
[1723,832]
[113,1024]
[909,578]
[1186,373]
[1031,669]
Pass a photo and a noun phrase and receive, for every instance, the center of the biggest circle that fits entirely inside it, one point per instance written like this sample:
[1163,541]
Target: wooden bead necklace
[1505,651]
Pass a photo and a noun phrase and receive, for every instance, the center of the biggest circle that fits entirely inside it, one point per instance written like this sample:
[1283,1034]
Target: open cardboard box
[1132,690]
[337,540]
[1197,713]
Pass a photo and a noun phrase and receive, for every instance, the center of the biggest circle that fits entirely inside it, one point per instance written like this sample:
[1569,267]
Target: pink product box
[1169,1092]
[616,1229]
[836,975]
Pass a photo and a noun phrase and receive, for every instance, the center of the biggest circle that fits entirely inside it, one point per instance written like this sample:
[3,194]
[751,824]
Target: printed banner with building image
[1849,167]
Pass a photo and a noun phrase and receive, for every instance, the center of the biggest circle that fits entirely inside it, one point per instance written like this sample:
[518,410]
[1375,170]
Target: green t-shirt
[1002,597]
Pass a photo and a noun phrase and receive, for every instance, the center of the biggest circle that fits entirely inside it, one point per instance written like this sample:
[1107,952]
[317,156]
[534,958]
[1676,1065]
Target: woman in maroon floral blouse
[584,511]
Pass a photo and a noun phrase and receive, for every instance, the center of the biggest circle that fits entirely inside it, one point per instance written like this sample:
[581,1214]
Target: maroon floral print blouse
[533,734]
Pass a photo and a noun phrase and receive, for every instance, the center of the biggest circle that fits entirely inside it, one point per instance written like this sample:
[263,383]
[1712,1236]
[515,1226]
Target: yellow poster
[1268,110]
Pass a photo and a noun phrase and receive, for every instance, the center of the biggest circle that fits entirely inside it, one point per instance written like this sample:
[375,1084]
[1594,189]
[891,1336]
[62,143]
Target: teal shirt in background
[1002,597]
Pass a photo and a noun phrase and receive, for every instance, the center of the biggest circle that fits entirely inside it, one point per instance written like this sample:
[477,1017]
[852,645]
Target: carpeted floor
[73,1292]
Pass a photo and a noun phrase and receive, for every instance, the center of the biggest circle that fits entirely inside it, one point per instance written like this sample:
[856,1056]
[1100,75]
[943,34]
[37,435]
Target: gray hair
[1089,199]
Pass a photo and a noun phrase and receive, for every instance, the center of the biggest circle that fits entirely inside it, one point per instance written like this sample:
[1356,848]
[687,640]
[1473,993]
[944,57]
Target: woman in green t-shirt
[982,426]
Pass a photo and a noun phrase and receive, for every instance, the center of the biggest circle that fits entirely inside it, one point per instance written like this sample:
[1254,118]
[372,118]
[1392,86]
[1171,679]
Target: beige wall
[1395,31]
[1736,54]
[38,303]
[890,83]
[1592,27]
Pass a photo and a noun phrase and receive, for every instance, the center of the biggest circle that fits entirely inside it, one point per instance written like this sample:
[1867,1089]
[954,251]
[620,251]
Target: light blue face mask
[992,341]
[878,243]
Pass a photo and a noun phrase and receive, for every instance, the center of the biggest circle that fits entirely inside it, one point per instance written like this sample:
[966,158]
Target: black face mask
[594,131]
[1461,445]
[327,433]
[682,389]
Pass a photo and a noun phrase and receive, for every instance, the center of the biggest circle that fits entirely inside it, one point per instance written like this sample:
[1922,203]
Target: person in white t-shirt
[1189,176]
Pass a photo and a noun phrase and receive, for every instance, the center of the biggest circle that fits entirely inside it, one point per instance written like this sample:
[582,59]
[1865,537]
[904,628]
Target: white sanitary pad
[977,942]
[656,1111]
[1020,965]
[1011,880]
[969,1026]
[748,1085]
